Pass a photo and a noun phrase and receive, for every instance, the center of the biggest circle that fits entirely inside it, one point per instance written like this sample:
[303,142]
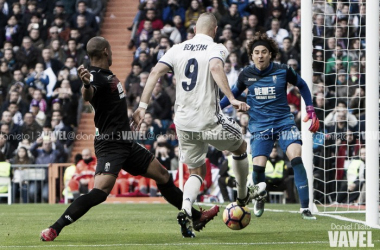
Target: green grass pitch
[154,226]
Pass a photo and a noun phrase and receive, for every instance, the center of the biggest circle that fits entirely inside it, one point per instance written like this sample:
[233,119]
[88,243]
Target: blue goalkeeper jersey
[267,95]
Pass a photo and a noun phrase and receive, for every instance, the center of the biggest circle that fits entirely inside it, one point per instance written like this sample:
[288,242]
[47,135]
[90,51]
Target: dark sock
[79,207]
[300,179]
[174,196]
[258,174]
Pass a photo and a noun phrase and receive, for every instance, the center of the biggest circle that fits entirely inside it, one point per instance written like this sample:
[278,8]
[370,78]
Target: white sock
[240,168]
[303,209]
[191,191]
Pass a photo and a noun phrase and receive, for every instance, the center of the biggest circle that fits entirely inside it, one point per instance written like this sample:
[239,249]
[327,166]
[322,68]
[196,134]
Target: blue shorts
[263,142]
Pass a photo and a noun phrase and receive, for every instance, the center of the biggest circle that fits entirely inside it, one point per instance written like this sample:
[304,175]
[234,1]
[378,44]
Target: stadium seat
[4,183]
[276,197]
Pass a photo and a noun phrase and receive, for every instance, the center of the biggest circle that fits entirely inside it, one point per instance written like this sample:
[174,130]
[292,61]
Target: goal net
[339,91]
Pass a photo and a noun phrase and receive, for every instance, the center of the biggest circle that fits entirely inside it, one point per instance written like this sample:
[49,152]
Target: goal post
[372,113]
[306,74]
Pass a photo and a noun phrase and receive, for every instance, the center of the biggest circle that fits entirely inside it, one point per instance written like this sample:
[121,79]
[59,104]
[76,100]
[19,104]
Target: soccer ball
[236,217]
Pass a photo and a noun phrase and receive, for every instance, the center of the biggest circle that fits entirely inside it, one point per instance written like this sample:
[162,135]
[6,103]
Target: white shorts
[193,146]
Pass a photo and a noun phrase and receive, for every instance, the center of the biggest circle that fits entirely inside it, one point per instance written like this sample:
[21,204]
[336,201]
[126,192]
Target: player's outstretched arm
[217,71]
[87,90]
[159,70]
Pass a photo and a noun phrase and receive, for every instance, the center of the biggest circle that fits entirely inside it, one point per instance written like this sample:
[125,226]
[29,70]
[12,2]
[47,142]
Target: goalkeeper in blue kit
[270,117]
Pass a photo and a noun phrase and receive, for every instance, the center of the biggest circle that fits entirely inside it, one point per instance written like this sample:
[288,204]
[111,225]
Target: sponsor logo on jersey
[107,166]
[265,92]
[252,79]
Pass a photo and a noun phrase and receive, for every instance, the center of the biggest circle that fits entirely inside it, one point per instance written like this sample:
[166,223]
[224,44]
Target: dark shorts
[263,142]
[134,159]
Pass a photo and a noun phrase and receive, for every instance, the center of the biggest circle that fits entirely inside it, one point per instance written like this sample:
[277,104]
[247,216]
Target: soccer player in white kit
[198,67]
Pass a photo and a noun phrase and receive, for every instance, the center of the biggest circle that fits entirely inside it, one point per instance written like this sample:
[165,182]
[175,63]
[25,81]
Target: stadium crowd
[42,43]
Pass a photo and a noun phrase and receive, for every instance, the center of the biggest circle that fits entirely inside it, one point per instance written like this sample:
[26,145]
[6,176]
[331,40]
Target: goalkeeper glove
[313,117]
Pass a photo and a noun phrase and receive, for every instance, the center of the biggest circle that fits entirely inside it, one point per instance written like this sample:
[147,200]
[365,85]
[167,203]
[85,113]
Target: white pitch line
[326,214]
[337,217]
[177,244]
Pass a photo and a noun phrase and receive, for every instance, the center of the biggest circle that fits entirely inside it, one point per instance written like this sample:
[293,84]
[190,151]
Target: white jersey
[197,98]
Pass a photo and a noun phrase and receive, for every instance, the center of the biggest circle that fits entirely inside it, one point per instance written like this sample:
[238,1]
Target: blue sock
[300,179]
[258,174]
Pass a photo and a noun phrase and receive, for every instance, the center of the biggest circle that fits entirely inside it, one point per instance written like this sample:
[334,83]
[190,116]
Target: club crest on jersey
[275,79]
[107,166]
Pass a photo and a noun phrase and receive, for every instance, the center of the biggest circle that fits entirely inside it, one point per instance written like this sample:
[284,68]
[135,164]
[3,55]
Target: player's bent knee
[241,150]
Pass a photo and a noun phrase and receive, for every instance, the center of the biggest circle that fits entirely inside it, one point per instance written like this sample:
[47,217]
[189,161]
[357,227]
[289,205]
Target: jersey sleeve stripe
[217,58]
[171,68]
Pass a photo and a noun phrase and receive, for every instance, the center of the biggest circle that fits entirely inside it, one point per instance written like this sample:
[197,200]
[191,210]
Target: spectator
[341,108]
[14,130]
[144,46]
[38,98]
[288,52]
[61,27]
[30,129]
[276,175]
[172,9]
[135,90]
[28,54]
[134,76]
[163,151]
[350,190]
[217,8]
[12,32]
[50,62]
[86,33]
[276,14]
[171,90]
[161,49]
[6,148]
[79,55]
[231,20]
[14,96]
[38,115]
[38,79]
[5,78]
[160,106]
[34,35]
[9,59]
[145,138]
[16,115]
[94,7]
[277,33]
[56,50]
[61,129]
[192,13]
[232,74]
[85,171]
[156,23]
[46,154]
[172,32]
[19,187]
[295,35]
[145,34]
[88,18]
